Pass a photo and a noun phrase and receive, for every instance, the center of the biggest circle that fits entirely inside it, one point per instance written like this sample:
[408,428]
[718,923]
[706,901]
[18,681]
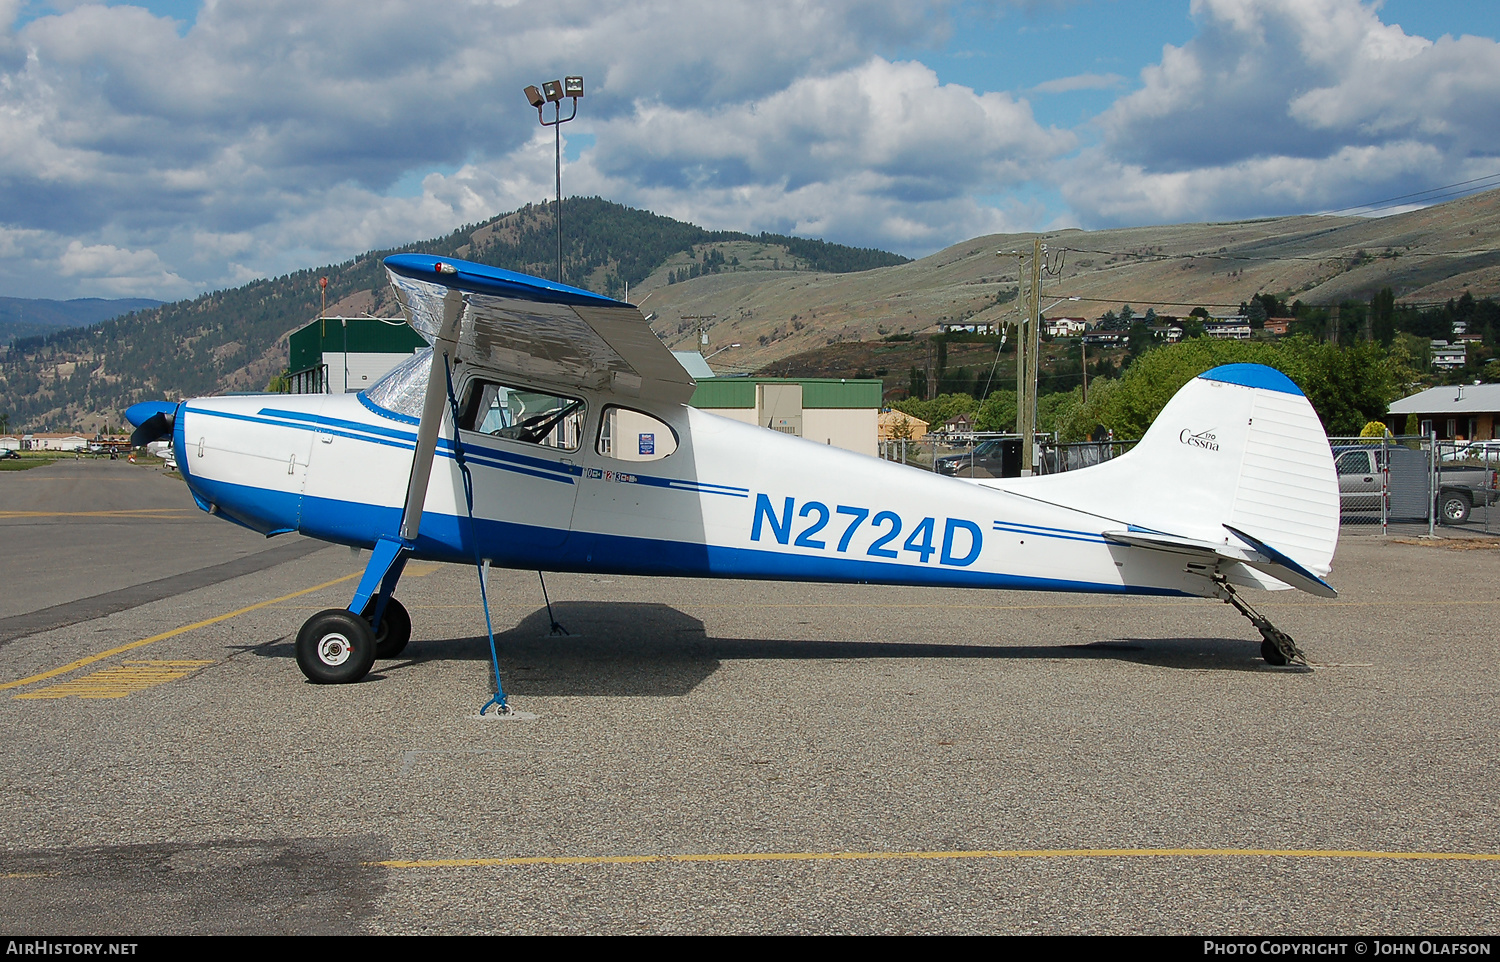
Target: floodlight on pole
[554,92]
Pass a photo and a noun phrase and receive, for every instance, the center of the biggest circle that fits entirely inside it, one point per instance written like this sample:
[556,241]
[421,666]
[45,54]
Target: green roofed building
[335,355]
[843,412]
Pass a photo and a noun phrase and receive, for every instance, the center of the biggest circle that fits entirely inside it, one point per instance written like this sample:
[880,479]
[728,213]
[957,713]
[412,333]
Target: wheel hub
[334,649]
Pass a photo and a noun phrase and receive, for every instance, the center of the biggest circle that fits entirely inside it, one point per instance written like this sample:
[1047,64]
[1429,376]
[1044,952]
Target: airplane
[547,428]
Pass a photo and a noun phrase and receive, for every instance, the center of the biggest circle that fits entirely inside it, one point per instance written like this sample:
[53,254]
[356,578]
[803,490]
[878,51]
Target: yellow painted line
[91,659]
[944,856]
[122,513]
[132,676]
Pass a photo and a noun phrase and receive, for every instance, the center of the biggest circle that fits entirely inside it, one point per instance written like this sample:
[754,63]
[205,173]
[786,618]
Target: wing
[514,325]
[536,330]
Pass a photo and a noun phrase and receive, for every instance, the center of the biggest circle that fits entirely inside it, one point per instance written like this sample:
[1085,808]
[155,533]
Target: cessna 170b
[547,428]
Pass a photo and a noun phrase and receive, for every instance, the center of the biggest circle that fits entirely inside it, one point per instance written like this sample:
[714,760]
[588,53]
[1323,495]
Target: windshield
[404,388]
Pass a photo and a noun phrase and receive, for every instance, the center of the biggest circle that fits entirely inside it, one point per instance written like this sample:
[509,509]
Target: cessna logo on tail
[1203,439]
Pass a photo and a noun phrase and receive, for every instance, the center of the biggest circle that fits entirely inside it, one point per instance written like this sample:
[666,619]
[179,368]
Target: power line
[1391,201]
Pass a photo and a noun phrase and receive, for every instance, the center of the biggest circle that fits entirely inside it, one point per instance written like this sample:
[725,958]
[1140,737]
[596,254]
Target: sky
[172,147]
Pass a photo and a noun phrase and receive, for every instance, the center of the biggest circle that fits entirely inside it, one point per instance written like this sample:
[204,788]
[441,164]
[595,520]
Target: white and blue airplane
[547,428]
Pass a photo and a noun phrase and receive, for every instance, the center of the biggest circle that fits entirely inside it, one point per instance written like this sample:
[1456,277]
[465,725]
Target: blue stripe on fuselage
[445,537]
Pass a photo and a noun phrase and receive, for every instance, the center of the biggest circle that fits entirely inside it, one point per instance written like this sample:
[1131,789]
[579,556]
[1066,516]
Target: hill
[27,316]
[1425,256]
[775,296]
[236,339]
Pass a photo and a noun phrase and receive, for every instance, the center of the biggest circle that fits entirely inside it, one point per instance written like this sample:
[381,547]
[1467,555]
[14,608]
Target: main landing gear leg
[557,628]
[339,645]
[1276,647]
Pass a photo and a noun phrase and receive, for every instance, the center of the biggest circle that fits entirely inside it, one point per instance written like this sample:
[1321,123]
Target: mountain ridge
[775,296]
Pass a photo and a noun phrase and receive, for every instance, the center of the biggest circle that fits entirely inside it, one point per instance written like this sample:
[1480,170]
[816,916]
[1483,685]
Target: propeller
[152,419]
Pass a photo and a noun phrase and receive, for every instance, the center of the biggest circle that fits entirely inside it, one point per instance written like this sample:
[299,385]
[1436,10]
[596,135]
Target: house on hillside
[1064,326]
[959,425]
[1231,330]
[1448,357]
[1467,412]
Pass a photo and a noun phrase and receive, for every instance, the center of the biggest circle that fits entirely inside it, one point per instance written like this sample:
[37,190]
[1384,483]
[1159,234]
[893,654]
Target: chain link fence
[1417,485]
[997,455]
[1394,485]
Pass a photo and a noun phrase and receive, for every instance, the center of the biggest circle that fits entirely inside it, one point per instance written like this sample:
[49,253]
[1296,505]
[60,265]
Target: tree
[1256,314]
[1347,386]
[1383,315]
[997,413]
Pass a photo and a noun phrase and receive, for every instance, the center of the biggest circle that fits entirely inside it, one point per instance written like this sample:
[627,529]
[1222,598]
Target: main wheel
[394,631]
[1455,507]
[1271,653]
[335,647]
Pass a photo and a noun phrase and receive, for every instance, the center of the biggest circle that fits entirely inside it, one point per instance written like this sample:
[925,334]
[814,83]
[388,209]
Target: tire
[335,647]
[395,628]
[1271,653]
[1453,507]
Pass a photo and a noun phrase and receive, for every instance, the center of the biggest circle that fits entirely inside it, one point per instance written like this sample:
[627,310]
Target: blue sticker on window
[648,444]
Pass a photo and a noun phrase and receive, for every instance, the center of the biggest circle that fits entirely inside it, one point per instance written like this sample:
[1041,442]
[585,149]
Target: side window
[522,414]
[627,435]
[1354,462]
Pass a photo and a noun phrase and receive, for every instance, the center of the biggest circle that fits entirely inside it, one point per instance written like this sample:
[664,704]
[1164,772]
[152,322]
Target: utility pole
[702,330]
[1030,347]
[1083,349]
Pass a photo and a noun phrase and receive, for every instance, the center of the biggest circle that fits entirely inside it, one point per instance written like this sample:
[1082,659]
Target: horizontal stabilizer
[1258,555]
[1282,568]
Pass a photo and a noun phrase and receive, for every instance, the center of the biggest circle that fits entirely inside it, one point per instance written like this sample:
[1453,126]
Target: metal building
[337,355]
[843,412]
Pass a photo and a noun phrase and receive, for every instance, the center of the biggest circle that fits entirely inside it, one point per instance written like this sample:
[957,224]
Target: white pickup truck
[1362,484]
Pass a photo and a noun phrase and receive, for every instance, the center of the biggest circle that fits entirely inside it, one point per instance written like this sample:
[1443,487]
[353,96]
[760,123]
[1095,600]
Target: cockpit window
[627,435]
[404,388]
[522,414]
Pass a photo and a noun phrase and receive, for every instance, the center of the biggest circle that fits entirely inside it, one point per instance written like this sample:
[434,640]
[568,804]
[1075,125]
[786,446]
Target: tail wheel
[394,631]
[1455,507]
[335,647]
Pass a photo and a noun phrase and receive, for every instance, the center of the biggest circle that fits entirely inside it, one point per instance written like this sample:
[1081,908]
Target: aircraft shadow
[629,649]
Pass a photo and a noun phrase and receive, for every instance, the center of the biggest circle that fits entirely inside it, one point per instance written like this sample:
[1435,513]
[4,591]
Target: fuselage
[730,500]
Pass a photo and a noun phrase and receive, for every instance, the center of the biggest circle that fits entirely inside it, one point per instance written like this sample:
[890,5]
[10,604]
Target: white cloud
[1082,81]
[278,125]
[116,272]
[881,153]
[1281,106]
[269,135]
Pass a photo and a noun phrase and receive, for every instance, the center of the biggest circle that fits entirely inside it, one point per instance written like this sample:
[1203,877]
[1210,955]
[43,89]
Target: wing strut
[444,347]
[389,556]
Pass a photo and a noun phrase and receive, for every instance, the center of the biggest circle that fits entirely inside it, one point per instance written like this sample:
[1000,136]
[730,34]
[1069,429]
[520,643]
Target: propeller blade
[152,420]
[156,427]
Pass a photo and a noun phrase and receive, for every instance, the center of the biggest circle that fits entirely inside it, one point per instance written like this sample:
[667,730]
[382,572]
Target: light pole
[553,92]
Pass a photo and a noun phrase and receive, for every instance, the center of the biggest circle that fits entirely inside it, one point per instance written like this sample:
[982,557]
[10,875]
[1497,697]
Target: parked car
[10,453]
[1362,483]
[995,458]
[1485,451]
